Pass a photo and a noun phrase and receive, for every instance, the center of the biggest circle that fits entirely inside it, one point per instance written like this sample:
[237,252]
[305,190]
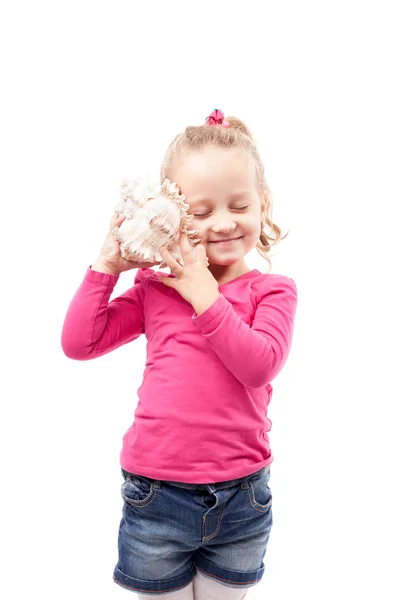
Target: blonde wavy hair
[197,137]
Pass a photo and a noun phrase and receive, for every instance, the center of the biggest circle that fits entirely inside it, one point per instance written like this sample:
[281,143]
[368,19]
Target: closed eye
[205,214]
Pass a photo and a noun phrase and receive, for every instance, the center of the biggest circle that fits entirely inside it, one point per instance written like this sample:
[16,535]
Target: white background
[93,92]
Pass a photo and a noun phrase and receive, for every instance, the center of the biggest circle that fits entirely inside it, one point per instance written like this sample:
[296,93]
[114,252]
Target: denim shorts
[170,529]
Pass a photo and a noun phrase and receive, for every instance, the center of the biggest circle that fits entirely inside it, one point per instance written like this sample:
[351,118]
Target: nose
[223,225]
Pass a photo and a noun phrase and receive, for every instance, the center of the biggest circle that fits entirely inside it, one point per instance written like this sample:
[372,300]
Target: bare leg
[210,589]
[183,594]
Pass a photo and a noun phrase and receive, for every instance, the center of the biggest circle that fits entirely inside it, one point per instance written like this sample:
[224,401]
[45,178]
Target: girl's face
[219,186]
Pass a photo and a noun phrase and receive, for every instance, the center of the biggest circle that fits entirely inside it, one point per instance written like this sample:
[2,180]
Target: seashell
[156,216]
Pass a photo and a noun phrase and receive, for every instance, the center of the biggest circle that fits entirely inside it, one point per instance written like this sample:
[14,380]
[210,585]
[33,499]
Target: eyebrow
[233,196]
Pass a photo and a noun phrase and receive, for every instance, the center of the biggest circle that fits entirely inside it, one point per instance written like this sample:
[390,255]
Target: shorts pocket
[137,490]
[260,494]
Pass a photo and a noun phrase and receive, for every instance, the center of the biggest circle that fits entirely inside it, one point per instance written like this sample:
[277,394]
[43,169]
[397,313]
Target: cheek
[250,224]
[200,228]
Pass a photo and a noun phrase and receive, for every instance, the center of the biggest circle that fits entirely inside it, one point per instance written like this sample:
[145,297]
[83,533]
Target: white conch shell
[156,215]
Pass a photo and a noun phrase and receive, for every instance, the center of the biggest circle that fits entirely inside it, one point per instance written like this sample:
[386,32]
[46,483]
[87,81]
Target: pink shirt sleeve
[93,326]
[256,354]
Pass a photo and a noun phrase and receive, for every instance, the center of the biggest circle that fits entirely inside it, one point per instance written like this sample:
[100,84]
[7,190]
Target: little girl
[197,510]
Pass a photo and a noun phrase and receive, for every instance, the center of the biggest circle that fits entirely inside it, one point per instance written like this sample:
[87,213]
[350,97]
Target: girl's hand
[110,254]
[194,278]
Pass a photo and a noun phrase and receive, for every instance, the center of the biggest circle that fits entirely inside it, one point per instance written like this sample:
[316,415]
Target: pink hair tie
[217,118]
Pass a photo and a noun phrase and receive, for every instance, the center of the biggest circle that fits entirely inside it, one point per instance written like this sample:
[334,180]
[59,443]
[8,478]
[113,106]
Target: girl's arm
[93,326]
[253,354]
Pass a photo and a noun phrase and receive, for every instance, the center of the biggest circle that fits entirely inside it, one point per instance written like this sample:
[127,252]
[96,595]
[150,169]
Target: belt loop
[245,483]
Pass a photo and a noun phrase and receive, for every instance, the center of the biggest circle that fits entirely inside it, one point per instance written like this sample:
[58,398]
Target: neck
[224,273]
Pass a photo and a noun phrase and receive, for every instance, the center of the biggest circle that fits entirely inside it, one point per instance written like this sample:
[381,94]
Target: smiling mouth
[226,241]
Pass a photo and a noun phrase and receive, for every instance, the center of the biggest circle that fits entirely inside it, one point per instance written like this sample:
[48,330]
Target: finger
[186,250]
[166,280]
[114,220]
[115,225]
[170,261]
[201,254]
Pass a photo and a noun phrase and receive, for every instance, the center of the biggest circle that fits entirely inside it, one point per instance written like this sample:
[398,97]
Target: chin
[223,262]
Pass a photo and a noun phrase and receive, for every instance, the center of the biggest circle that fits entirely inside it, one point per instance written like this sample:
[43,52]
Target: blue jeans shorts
[169,530]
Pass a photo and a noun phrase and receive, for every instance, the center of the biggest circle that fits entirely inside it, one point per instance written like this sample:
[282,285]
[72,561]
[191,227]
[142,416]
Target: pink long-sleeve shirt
[201,415]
